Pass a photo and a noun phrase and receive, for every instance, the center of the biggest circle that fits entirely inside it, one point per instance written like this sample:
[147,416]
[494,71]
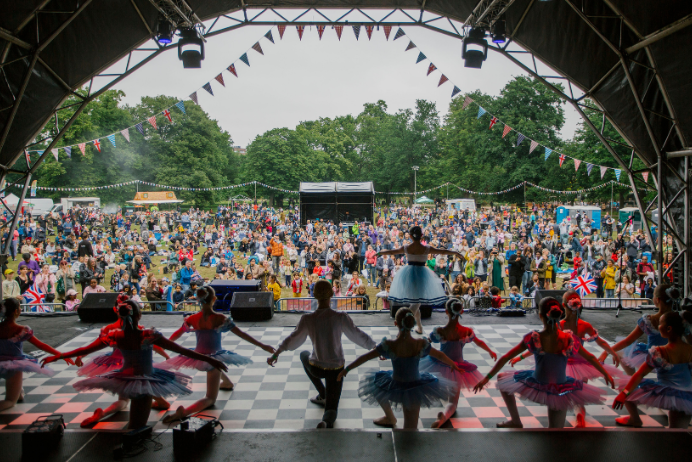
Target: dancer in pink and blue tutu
[13,361]
[547,384]
[452,339]
[404,386]
[672,389]
[208,327]
[137,380]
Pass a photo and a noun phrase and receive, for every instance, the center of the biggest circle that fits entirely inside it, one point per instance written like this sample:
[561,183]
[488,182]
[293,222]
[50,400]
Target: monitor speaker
[98,308]
[540,294]
[226,289]
[252,306]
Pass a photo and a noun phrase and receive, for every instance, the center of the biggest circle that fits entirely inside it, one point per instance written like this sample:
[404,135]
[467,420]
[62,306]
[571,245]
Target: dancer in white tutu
[137,380]
[547,384]
[452,339]
[208,327]
[13,361]
[415,284]
[404,386]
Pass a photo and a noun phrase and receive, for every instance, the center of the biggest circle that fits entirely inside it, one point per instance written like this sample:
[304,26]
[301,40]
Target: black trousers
[332,391]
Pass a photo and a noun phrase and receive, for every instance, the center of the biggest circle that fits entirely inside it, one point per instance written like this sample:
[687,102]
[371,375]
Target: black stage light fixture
[164,31]
[190,48]
[474,48]
[499,34]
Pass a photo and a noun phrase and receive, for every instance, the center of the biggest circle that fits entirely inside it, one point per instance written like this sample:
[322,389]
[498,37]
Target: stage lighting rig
[191,48]
[499,31]
[164,31]
[474,48]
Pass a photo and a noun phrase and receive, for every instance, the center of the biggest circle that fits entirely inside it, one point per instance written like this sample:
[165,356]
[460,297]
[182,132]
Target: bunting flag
[282,29]
[368,30]
[258,48]
[443,79]
[339,31]
[180,105]
[320,31]
[97,143]
[82,147]
[245,59]
[562,159]
[493,121]
[506,130]
[387,31]
[399,33]
[219,78]
[68,151]
[356,31]
[300,30]
[431,69]
[269,36]
[410,46]
[193,97]
[126,133]
[33,187]
[55,153]
[589,167]
[534,145]
[645,175]
[617,173]
[231,69]
[111,138]
[548,152]
[421,57]
[207,86]
[481,111]
[167,113]
[455,91]
[152,120]
[603,171]
[140,127]
[577,163]
[28,156]
[467,101]
[520,138]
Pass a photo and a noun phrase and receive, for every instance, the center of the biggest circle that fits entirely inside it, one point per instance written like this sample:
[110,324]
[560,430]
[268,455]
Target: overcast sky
[303,80]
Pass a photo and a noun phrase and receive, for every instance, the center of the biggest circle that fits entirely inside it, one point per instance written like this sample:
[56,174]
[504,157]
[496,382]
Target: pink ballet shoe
[93,420]
[625,422]
[581,421]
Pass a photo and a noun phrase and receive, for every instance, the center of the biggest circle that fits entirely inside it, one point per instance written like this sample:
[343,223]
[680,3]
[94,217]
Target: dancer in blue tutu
[208,327]
[672,389]
[548,383]
[13,361]
[404,386]
[137,380]
[452,339]
[415,284]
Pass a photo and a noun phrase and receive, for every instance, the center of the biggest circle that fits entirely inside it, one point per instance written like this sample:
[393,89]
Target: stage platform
[382,446]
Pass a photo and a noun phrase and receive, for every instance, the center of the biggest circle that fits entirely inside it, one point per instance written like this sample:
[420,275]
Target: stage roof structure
[155,197]
[626,59]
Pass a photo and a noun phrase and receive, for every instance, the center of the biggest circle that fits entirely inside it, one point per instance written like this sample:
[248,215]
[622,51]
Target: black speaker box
[226,289]
[540,294]
[98,308]
[425,310]
[252,306]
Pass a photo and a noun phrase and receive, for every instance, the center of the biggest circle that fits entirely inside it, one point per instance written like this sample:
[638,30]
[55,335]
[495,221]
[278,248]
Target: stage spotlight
[499,35]
[190,48]
[474,49]
[164,31]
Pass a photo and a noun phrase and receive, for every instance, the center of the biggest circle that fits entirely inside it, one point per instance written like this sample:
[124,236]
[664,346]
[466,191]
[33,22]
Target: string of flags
[513,188]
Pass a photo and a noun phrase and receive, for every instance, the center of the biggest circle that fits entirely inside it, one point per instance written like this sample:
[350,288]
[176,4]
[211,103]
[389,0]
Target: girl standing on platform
[208,327]
[13,361]
[453,337]
[673,388]
[548,384]
[415,284]
[404,386]
[137,380]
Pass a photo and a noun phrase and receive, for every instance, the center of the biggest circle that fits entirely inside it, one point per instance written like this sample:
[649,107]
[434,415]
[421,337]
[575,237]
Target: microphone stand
[621,244]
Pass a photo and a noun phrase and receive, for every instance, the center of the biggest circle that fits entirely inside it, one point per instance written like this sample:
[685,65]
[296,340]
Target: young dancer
[404,386]
[452,339]
[415,284]
[208,327]
[137,380]
[13,361]
[673,388]
[547,384]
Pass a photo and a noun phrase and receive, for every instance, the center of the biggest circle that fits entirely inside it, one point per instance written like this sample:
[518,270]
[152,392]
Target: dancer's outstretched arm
[360,360]
[250,339]
[594,362]
[48,349]
[624,343]
[520,348]
[398,251]
[96,345]
[174,347]
[631,385]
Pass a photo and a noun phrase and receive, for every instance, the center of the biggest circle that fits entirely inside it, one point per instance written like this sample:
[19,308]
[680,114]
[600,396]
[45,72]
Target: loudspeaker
[252,306]
[425,310]
[540,294]
[226,289]
[98,308]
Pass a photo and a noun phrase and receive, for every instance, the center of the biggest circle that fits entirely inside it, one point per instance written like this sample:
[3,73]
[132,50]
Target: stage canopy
[337,202]
[155,197]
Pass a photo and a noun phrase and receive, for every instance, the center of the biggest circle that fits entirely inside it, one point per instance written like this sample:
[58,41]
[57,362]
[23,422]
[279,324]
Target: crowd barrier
[303,304]
[34,307]
[163,305]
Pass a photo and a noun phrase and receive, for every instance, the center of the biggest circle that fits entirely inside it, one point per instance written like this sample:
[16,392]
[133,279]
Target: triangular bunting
[55,153]
[506,130]
[152,120]
[193,97]
[368,30]
[481,111]
[245,59]
[443,79]
[534,145]
[232,70]
[339,31]
[548,152]
[219,78]
[467,101]
[111,138]
[300,30]
[140,128]
[82,147]
[126,133]
[589,167]
[603,171]
[68,151]
[455,91]
[282,29]
[562,159]
[645,175]
[520,138]
[577,163]
[258,48]
[493,121]
[421,57]
[320,31]
[387,31]
[269,36]
[97,143]
[167,114]
[431,68]
[207,86]
[617,173]
[410,46]
[399,33]
[356,31]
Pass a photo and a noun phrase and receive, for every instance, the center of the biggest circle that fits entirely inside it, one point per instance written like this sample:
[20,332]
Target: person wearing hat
[71,302]
[10,287]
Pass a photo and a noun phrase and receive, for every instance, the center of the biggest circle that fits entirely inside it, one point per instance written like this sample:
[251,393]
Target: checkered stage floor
[266,397]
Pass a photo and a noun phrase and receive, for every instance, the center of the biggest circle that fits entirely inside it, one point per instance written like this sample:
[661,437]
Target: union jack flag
[34,296]
[584,285]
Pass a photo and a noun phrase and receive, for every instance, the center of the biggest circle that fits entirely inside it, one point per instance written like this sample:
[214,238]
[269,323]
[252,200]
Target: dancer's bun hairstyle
[667,294]
[454,307]
[416,233]
[205,294]
[550,308]
[8,307]
[674,321]
[405,319]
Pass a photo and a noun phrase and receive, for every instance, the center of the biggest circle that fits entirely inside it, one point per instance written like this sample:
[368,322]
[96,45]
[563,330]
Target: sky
[299,80]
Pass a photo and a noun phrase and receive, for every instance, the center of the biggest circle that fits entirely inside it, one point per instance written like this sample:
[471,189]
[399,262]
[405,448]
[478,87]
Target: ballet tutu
[653,394]
[580,369]
[468,378]
[557,396]
[101,364]
[428,391]
[183,362]
[417,284]
[635,355]
[159,383]
[11,364]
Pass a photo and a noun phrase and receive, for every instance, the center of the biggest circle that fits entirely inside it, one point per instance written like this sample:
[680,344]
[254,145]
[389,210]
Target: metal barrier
[24,307]
[162,305]
[305,304]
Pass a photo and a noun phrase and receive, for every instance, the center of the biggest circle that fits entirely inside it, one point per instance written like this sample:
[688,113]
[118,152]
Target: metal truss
[487,12]
[177,12]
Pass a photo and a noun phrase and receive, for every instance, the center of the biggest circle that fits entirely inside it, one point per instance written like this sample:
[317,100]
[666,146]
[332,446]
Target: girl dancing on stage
[414,284]
[13,361]
[547,384]
[137,380]
[673,388]
[453,337]
[404,386]
[208,327]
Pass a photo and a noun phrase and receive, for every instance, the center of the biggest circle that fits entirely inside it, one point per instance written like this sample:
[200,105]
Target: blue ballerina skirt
[183,362]
[417,284]
[653,394]
[428,391]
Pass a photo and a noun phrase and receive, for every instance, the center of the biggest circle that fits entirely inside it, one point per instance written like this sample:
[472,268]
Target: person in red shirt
[185,254]
[297,285]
